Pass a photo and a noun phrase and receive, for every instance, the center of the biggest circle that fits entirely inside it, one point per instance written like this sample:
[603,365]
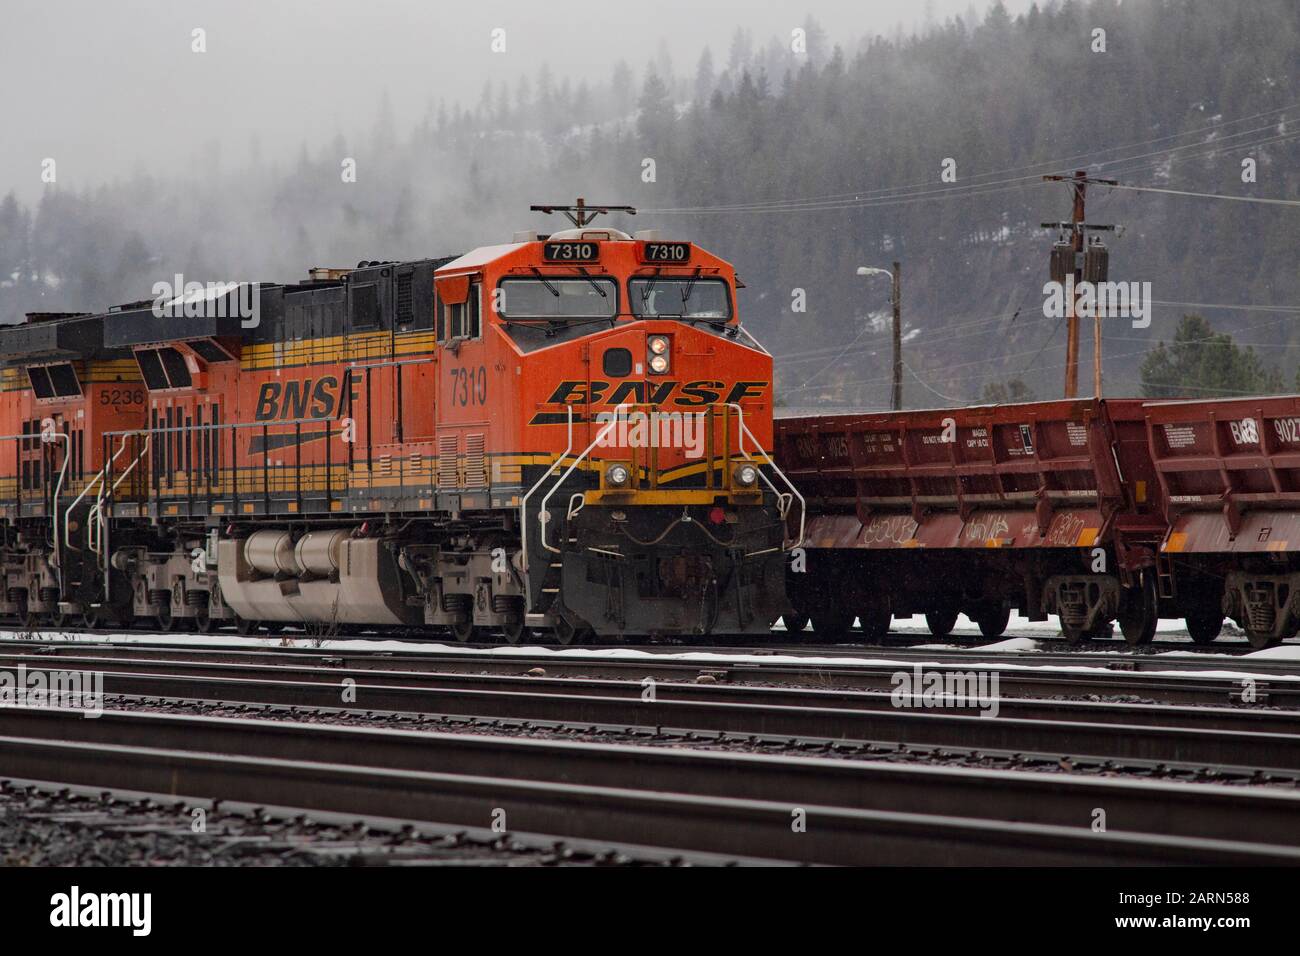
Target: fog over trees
[798,167]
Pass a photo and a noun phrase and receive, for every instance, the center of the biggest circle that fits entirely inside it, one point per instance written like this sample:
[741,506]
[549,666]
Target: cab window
[679,297]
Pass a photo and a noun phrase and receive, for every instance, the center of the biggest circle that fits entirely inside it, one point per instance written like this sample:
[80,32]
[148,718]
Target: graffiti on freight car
[1065,530]
[889,529]
[985,527]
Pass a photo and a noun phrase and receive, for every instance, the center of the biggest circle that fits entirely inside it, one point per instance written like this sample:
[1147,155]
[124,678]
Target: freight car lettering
[1288,429]
[296,399]
[1244,432]
[701,392]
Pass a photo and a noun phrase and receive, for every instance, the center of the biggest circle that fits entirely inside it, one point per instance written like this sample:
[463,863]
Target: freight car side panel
[1230,471]
[1041,475]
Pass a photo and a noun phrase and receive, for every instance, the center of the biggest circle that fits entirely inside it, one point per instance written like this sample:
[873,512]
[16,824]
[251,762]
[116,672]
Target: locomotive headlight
[617,475]
[745,475]
[657,345]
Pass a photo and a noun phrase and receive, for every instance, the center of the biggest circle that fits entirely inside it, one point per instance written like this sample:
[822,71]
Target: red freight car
[1229,477]
[1049,507]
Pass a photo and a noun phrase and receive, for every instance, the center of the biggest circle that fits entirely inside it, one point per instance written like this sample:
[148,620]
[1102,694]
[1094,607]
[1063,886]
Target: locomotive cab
[637,414]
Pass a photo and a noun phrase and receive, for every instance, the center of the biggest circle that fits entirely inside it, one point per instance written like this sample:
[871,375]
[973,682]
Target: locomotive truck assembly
[564,433]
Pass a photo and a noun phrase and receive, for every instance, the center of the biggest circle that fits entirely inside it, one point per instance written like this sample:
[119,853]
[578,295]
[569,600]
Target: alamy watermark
[178,299]
[73,690]
[684,430]
[939,689]
[1109,300]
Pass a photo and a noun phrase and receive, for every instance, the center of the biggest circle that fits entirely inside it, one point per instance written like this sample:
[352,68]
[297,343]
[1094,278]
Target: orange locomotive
[566,433]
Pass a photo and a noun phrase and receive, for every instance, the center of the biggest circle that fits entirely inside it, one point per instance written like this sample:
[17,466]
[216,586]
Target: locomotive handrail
[523,505]
[58,485]
[58,488]
[618,414]
[793,493]
[99,476]
[95,517]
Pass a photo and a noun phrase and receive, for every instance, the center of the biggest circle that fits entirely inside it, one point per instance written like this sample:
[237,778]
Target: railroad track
[1273,686]
[729,804]
[1144,736]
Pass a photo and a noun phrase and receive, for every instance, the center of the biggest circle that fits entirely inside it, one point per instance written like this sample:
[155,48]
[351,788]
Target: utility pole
[1078,269]
[897,398]
[896,297]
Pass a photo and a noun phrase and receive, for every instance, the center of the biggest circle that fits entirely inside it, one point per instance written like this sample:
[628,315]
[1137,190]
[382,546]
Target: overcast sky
[106,87]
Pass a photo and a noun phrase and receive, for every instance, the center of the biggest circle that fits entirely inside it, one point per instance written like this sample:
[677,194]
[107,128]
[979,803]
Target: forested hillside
[799,167]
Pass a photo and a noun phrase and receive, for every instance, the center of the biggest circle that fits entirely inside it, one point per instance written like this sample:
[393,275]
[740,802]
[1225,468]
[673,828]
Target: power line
[884,195]
[1184,192]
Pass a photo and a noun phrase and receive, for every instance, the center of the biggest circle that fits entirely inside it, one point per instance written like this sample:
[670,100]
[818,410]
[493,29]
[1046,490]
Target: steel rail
[1092,740]
[1235,719]
[1014,682]
[569,802]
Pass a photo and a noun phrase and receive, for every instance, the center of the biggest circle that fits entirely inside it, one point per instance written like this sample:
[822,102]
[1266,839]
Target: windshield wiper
[549,288]
[690,286]
[650,287]
[594,284]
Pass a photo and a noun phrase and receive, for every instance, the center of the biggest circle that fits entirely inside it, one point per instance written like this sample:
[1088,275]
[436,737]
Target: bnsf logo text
[295,399]
[654,393]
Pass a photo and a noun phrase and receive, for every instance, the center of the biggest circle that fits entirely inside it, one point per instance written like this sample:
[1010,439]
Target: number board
[665,252]
[571,252]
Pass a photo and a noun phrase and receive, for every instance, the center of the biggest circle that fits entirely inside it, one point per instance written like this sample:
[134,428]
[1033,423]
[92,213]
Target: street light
[896,401]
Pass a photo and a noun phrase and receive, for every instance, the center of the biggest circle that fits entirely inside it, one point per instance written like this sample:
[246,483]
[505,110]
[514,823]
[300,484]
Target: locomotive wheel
[1139,612]
[463,631]
[794,623]
[1204,624]
[875,617]
[941,622]
[831,623]
[568,634]
[992,619]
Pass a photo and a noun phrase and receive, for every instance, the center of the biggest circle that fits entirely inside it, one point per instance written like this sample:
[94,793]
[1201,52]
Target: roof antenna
[581,214]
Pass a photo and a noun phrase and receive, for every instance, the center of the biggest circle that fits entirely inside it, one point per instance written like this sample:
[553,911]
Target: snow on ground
[1235,666]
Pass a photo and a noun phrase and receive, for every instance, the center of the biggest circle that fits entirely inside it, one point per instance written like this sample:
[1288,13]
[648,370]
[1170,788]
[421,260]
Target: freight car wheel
[1076,636]
[875,617]
[245,626]
[942,622]
[58,620]
[1139,612]
[992,620]
[463,631]
[1261,640]
[203,620]
[513,631]
[1204,624]
[91,619]
[831,623]
[163,618]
